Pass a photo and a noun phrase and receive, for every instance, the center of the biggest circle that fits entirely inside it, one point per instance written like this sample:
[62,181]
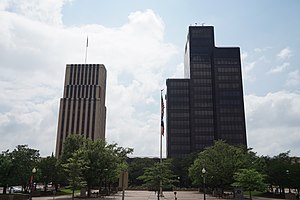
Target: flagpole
[87,44]
[161,134]
[161,130]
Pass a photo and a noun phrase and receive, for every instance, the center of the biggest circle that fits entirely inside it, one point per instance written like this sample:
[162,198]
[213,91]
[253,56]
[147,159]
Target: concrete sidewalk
[147,195]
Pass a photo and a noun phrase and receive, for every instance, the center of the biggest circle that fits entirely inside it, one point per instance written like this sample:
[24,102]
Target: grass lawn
[264,194]
[66,192]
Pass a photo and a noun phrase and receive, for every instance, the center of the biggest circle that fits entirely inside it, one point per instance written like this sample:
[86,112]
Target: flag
[162,115]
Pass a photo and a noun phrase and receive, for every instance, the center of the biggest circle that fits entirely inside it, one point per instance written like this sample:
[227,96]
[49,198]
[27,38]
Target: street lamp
[288,179]
[31,182]
[203,172]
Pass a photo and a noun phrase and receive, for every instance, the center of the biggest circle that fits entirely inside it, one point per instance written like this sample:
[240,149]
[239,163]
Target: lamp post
[105,181]
[288,179]
[203,172]
[31,182]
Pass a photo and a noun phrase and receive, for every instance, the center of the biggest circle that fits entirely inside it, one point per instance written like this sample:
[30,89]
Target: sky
[141,43]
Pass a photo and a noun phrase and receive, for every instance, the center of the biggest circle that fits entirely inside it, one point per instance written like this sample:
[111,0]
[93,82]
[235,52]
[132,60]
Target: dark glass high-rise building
[208,103]
[82,109]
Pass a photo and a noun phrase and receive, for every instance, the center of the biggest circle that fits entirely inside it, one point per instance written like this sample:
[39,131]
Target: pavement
[147,195]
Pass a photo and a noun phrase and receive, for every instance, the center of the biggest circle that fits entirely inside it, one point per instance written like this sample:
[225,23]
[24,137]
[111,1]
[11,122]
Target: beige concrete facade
[82,109]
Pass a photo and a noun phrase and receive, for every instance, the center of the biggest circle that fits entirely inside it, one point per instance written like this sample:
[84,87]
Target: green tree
[101,159]
[136,168]
[158,174]
[71,145]
[24,160]
[250,180]
[118,160]
[49,170]
[74,167]
[294,175]
[283,171]
[5,170]
[180,166]
[221,161]
[277,167]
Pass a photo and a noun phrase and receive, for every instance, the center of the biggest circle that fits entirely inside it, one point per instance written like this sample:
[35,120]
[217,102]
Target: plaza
[146,195]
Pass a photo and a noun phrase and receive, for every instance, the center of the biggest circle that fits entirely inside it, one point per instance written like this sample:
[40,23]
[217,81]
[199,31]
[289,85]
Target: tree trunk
[250,194]
[89,191]
[158,194]
[73,191]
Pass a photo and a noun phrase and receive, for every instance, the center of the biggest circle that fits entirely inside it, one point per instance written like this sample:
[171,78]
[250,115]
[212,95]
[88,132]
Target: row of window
[205,73]
[228,69]
[179,123]
[231,127]
[230,119]
[175,131]
[228,78]
[230,102]
[203,112]
[178,84]
[204,137]
[230,110]
[180,147]
[84,75]
[82,91]
[203,96]
[229,85]
[200,58]
[202,81]
[178,91]
[203,104]
[207,129]
[179,140]
[178,99]
[226,61]
[204,121]
[200,66]
[181,114]
[202,88]
[229,93]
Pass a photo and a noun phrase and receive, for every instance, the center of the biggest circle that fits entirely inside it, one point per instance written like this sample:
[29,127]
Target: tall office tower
[208,103]
[82,109]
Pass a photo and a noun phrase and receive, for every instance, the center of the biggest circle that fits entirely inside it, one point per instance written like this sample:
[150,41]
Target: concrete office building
[208,104]
[82,109]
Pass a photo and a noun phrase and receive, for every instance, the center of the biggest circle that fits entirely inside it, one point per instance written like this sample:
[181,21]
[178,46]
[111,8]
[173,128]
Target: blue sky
[141,44]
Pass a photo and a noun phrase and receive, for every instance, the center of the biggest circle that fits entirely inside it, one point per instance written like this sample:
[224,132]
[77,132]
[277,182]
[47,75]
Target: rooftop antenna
[196,23]
[202,24]
[87,44]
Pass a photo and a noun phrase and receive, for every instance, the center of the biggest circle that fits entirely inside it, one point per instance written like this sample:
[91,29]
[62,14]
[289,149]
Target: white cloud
[33,56]
[273,122]
[279,68]
[260,50]
[293,78]
[179,71]
[247,67]
[46,11]
[285,53]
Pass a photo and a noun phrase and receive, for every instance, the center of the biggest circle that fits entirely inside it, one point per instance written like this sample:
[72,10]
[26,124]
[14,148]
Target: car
[15,189]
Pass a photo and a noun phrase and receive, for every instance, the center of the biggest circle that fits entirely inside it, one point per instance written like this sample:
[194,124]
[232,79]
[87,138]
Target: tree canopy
[158,173]
[221,161]
[250,180]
